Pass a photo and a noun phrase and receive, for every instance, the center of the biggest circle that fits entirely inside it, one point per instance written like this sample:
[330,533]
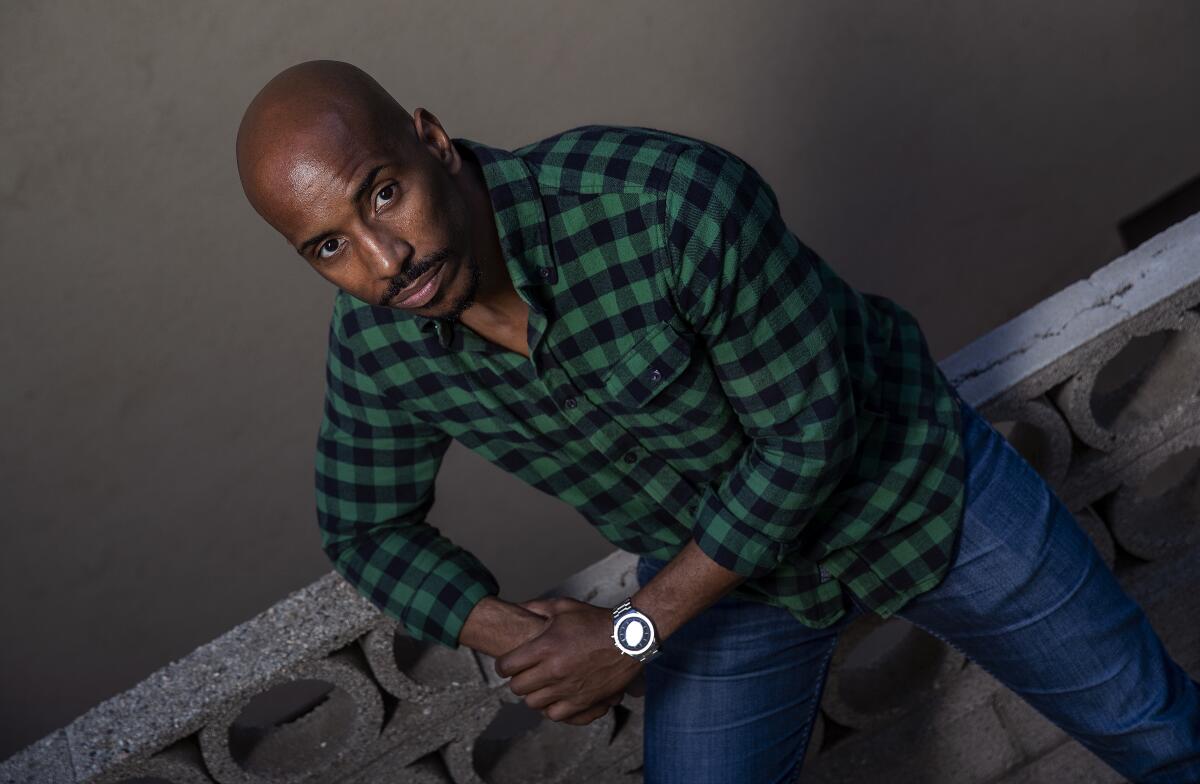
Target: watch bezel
[652,637]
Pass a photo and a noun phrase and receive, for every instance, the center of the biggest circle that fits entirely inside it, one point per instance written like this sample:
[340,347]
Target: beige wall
[162,349]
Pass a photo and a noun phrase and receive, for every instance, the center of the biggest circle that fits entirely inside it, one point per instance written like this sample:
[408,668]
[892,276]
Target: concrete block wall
[1098,386]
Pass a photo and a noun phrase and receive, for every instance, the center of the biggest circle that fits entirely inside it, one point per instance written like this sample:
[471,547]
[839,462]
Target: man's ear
[429,132]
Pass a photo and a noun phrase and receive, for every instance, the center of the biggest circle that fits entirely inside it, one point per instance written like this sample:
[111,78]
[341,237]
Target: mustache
[397,285]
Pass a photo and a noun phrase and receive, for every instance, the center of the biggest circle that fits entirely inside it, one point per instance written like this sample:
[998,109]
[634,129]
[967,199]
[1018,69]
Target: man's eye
[386,193]
[331,246]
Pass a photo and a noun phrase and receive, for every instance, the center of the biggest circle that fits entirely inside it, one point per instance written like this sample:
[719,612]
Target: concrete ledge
[1163,274]
[181,698]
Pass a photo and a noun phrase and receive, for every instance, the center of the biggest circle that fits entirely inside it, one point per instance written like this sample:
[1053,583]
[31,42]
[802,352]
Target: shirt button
[631,456]
[569,402]
[544,272]
[655,376]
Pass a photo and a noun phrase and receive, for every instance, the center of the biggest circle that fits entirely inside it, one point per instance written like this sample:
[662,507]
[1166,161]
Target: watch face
[634,633]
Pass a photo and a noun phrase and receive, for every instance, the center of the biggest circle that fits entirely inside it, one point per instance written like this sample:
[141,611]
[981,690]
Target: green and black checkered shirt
[695,373]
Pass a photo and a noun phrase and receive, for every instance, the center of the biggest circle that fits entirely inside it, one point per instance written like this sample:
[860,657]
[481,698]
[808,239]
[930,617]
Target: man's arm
[683,588]
[376,465]
[754,296]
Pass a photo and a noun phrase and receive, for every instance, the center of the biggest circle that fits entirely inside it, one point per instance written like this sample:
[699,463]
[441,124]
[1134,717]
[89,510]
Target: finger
[539,606]
[544,699]
[519,659]
[531,680]
[587,716]
[563,710]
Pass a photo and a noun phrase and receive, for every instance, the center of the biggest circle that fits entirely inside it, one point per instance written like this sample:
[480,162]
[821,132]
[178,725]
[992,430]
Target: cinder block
[1134,419]
[180,763]
[1032,732]
[329,736]
[972,748]
[1069,763]
[1039,433]
[1056,338]
[1169,591]
[47,762]
[178,700]
[1157,525]
[549,753]
[391,768]
[413,670]
[1097,531]
[881,670]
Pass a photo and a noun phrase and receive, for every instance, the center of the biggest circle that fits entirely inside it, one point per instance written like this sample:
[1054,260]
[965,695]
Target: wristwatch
[633,632]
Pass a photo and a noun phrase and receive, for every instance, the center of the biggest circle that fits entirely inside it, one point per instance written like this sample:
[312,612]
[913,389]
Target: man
[620,317]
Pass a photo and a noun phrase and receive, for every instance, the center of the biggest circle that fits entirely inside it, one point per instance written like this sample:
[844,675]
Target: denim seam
[822,673]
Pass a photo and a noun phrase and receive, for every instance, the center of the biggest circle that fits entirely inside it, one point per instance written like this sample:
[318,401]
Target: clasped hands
[571,671]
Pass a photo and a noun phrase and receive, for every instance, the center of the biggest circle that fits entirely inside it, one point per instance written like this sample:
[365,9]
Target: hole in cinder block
[291,728]
[621,716]
[522,745]
[1030,440]
[835,733]
[889,666]
[1158,516]
[1148,377]
[1179,472]
[1124,561]
[432,765]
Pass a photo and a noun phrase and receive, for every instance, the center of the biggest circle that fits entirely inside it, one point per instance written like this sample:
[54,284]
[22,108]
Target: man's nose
[386,257]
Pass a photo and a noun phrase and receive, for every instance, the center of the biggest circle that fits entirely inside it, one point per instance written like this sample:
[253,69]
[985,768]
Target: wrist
[688,584]
[495,627]
[634,632]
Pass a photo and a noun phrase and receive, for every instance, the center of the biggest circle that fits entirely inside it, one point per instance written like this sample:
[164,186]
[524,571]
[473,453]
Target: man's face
[375,212]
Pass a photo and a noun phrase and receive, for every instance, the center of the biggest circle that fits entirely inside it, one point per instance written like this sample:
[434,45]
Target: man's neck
[498,313]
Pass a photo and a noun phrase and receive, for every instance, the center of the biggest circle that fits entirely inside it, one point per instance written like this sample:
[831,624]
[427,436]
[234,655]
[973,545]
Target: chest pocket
[650,366]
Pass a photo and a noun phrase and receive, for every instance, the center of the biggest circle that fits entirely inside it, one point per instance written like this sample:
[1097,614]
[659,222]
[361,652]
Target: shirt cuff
[440,606]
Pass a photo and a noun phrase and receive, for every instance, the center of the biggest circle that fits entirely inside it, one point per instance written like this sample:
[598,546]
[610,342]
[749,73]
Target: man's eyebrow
[366,183]
[363,187]
[303,249]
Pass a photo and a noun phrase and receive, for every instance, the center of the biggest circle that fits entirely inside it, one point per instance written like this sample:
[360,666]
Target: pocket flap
[656,360]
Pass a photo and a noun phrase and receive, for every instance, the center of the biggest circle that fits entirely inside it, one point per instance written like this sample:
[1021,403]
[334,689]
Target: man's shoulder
[596,158]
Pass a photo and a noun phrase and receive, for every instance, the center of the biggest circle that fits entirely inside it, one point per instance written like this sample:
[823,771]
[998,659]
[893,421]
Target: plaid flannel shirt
[695,372]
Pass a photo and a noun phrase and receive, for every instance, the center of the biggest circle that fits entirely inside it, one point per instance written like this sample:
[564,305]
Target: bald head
[375,200]
[302,118]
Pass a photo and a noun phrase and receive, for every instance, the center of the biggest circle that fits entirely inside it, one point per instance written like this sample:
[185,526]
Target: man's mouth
[420,291]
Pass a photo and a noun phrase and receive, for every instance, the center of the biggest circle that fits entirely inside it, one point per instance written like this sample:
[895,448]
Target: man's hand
[571,671]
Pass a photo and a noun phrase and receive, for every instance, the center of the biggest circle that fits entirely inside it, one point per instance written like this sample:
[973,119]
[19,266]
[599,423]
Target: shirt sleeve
[375,471]
[753,293]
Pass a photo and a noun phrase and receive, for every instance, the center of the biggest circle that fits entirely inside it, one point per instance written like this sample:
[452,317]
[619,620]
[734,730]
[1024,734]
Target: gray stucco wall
[162,350]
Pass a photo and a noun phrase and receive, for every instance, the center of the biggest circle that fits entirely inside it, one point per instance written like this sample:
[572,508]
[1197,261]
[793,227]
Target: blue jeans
[733,696]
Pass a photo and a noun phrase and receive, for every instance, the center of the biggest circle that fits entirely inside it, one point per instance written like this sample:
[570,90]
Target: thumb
[539,606]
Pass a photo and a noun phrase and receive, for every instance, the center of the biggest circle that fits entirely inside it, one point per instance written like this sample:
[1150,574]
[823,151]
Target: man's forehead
[319,148]
[315,164]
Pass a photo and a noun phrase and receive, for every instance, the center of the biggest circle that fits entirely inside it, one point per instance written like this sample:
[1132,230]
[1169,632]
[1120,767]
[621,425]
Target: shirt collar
[520,220]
